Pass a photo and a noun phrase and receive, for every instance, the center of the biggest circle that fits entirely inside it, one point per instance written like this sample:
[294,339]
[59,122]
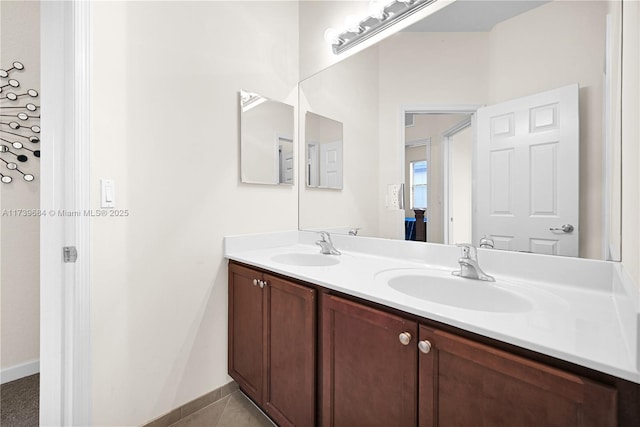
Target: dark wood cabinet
[290,387]
[246,330]
[381,367]
[368,376]
[464,383]
[272,344]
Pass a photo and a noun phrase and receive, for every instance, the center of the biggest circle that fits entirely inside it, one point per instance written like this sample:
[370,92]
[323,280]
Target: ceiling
[473,15]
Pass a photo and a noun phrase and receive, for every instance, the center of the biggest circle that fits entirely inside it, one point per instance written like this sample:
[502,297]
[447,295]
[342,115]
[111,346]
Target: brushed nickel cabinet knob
[405,338]
[424,346]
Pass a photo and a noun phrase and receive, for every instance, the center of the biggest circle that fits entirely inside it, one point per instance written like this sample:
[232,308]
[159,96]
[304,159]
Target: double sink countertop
[583,311]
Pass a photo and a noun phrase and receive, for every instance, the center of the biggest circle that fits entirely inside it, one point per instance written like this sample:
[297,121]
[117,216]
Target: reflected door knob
[405,338]
[424,346]
[263,283]
[255,282]
[565,228]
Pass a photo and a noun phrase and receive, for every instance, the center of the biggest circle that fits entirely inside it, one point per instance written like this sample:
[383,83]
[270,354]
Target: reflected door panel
[523,197]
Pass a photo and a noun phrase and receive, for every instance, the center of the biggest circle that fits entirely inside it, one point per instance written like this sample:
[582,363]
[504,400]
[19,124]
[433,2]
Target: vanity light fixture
[381,16]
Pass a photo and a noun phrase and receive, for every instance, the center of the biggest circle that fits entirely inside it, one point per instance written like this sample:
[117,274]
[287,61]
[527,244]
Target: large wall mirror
[501,119]
[266,140]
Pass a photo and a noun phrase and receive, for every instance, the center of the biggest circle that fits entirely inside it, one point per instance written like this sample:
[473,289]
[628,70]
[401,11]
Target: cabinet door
[246,330]
[289,395]
[464,383]
[368,376]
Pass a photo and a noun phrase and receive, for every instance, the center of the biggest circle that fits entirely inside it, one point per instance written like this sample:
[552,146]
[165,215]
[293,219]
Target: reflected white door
[286,167]
[312,165]
[522,192]
[331,164]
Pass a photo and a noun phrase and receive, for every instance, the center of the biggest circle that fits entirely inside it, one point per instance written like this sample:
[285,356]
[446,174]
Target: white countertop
[582,311]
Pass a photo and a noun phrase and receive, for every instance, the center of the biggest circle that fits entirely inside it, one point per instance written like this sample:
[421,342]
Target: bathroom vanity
[310,349]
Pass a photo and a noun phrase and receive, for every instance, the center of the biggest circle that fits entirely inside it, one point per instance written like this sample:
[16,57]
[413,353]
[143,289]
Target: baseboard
[189,408]
[16,372]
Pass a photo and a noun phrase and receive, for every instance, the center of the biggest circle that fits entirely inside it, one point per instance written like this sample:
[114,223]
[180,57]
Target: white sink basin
[441,287]
[306,260]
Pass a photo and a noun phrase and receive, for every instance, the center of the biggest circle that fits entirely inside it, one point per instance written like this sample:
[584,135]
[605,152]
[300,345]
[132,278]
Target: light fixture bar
[392,13]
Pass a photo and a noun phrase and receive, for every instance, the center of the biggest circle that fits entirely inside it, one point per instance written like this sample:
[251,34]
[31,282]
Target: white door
[331,165]
[523,196]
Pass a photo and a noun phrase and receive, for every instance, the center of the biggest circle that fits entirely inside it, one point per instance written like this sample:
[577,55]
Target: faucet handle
[487,242]
[466,250]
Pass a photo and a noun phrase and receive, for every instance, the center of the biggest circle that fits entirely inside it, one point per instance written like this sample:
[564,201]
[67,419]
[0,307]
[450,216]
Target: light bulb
[332,36]
[376,10]
[352,24]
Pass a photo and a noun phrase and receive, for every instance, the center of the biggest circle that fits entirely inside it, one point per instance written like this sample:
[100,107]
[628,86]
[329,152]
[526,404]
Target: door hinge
[70,253]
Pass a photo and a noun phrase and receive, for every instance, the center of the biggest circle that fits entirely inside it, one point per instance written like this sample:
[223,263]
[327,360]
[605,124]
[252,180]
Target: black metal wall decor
[19,125]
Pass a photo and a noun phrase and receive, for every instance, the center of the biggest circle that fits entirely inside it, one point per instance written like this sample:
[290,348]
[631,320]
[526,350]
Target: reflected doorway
[438,159]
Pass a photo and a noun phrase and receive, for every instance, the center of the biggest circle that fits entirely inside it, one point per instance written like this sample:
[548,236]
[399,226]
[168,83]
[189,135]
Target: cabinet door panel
[246,333]
[290,386]
[466,383]
[368,376]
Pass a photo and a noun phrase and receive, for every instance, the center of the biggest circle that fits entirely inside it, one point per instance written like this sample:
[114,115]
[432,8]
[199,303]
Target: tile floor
[234,410]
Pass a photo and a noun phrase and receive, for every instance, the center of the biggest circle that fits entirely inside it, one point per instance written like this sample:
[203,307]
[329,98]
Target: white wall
[20,235]
[165,121]
[346,92]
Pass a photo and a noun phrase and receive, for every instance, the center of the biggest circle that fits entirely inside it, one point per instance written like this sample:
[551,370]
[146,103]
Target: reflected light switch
[107,193]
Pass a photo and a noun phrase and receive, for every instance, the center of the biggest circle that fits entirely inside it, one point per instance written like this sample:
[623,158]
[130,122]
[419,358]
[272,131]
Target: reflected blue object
[410,228]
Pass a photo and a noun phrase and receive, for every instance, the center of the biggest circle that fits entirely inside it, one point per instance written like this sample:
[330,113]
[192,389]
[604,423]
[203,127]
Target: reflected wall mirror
[323,144]
[501,117]
[266,140]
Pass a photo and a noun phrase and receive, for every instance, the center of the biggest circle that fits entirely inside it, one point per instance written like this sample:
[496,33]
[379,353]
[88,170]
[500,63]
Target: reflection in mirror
[266,140]
[430,136]
[323,141]
[492,56]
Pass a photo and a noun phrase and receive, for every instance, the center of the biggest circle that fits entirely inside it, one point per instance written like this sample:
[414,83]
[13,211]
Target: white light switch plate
[107,193]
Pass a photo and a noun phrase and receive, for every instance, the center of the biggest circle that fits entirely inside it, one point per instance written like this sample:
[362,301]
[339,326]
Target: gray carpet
[19,402]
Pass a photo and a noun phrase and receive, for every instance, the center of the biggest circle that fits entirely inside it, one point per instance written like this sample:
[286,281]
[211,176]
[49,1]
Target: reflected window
[419,185]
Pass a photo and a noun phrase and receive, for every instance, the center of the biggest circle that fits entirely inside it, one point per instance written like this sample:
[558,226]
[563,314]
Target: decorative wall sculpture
[19,125]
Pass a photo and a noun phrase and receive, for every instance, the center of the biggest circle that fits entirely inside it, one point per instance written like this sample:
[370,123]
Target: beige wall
[165,121]
[20,235]
[630,139]
[348,93]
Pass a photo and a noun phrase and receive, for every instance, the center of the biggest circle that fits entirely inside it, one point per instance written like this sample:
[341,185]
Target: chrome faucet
[469,267]
[326,245]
